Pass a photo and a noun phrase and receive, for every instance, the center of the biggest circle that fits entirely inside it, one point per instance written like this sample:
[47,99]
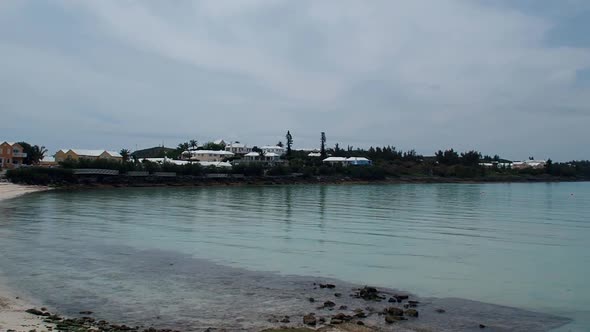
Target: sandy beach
[13,315]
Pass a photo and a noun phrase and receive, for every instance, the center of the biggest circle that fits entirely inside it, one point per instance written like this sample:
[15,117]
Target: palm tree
[125,154]
[193,143]
[36,153]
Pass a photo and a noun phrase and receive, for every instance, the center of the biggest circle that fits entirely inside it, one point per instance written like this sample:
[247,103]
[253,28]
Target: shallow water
[523,245]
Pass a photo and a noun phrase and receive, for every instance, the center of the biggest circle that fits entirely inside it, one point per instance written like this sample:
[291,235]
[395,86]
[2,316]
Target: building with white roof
[352,161]
[238,148]
[358,161]
[335,160]
[314,154]
[529,164]
[75,154]
[273,149]
[206,155]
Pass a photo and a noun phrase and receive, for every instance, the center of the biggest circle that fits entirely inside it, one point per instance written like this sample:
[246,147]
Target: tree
[323,145]
[289,142]
[280,143]
[125,154]
[449,157]
[470,158]
[34,153]
[193,143]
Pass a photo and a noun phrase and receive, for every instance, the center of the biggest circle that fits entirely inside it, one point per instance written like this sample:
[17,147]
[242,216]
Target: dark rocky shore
[198,181]
[242,300]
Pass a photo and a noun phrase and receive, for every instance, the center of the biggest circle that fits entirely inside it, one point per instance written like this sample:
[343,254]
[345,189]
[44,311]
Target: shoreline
[13,315]
[187,181]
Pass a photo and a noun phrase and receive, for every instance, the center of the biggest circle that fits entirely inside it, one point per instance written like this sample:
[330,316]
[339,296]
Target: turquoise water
[522,245]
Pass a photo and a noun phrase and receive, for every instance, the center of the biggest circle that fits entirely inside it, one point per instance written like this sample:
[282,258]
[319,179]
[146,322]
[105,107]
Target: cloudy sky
[508,77]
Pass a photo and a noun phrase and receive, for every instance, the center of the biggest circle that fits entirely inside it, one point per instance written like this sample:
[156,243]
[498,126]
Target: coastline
[13,315]
[192,181]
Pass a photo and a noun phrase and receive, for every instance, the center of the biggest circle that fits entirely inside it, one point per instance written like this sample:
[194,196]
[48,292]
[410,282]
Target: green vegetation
[41,175]
[34,153]
[155,152]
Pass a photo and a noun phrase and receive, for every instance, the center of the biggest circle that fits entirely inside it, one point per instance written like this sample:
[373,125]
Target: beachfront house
[358,161]
[252,156]
[11,155]
[76,154]
[537,164]
[238,148]
[352,161]
[206,155]
[335,161]
[273,149]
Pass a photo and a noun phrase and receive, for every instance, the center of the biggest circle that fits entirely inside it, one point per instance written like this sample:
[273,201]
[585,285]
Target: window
[14,161]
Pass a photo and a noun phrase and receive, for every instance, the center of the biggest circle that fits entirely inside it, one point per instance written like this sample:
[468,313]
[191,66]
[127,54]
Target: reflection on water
[523,245]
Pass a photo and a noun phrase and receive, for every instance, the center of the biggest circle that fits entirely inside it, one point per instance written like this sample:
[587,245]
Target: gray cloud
[415,74]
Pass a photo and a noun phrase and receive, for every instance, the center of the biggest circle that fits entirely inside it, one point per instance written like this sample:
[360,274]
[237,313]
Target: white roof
[166,160]
[357,159]
[214,163]
[218,141]
[89,153]
[314,154]
[114,154]
[252,154]
[266,147]
[271,154]
[335,159]
[235,145]
[220,152]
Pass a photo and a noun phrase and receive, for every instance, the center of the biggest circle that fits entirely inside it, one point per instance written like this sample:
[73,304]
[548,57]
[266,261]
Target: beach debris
[390,319]
[342,317]
[360,313]
[309,319]
[329,304]
[329,286]
[393,311]
[285,319]
[369,294]
[34,311]
[338,294]
[311,299]
[411,313]
[440,311]
[481,326]
[400,298]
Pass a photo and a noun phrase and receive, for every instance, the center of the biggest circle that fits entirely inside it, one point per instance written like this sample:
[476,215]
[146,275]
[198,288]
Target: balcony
[19,155]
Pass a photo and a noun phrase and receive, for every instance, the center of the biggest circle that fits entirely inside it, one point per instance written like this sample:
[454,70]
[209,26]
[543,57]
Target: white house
[352,161]
[529,164]
[335,160]
[252,156]
[314,154]
[358,161]
[206,155]
[273,149]
[238,148]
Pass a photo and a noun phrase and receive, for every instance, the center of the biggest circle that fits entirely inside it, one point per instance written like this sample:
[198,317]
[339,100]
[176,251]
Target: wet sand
[13,315]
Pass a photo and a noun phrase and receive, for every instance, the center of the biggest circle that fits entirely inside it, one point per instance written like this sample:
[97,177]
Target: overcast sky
[506,77]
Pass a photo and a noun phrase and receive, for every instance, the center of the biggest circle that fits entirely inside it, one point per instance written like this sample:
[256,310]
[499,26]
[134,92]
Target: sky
[503,77]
